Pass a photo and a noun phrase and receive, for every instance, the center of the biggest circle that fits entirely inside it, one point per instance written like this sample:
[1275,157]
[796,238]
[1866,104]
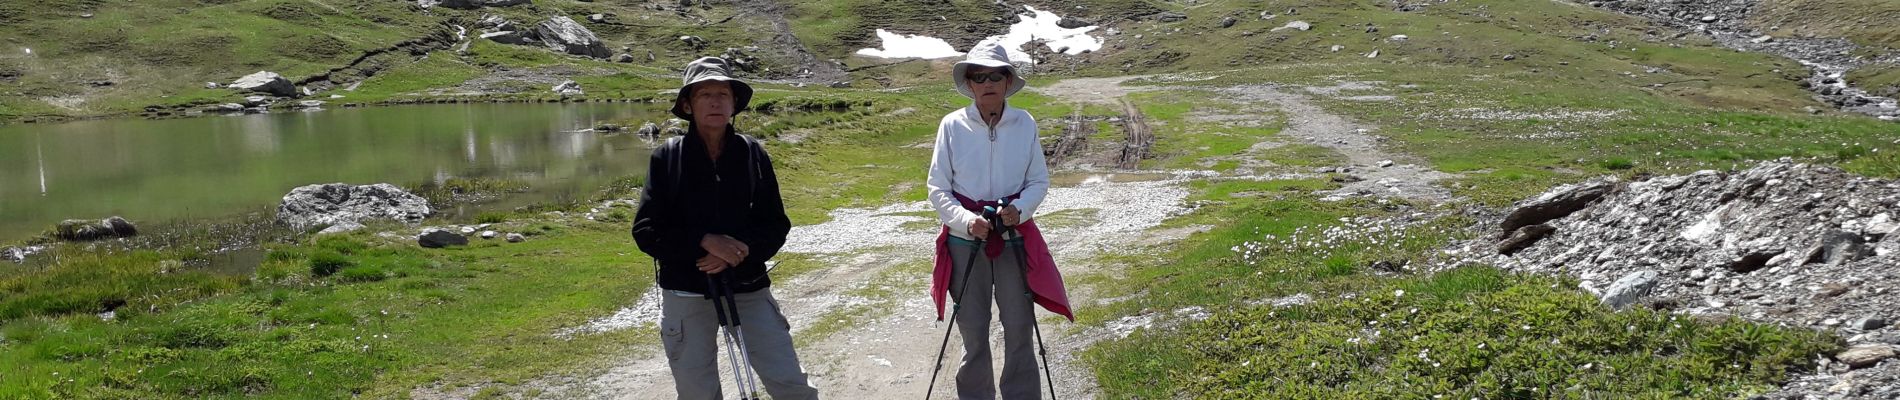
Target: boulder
[340,227]
[1557,203]
[257,101]
[1867,355]
[648,130]
[1836,248]
[1869,323]
[1524,237]
[309,104]
[488,234]
[1228,22]
[1629,289]
[516,238]
[79,230]
[597,18]
[337,203]
[564,35]
[694,41]
[1296,25]
[492,21]
[506,37]
[623,58]
[440,239]
[1753,260]
[739,59]
[568,88]
[227,108]
[14,254]
[265,82]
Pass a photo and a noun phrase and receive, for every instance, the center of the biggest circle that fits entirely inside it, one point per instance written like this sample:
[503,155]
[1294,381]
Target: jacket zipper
[992,165]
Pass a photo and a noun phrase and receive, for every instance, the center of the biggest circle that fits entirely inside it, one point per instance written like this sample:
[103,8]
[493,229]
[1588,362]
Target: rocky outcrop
[337,204]
[1729,23]
[1557,203]
[1782,242]
[564,35]
[694,42]
[648,130]
[506,37]
[79,230]
[568,88]
[740,59]
[265,82]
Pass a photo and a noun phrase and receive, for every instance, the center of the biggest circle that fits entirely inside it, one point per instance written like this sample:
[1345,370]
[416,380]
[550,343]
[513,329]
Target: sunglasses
[985,78]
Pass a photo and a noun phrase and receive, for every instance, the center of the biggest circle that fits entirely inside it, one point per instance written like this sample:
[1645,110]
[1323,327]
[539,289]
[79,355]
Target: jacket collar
[976,117]
[692,140]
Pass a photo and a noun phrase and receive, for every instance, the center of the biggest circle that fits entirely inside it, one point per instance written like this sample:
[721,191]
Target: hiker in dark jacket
[712,207]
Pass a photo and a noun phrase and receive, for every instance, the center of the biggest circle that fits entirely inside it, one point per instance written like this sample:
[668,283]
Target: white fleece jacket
[986,164]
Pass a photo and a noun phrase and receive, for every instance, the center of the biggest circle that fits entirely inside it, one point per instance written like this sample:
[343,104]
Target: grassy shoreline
[362,314]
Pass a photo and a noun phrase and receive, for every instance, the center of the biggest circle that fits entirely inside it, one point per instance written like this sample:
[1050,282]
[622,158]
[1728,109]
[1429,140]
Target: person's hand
[1011,216]
[712,265]
[725,247]
[979,229]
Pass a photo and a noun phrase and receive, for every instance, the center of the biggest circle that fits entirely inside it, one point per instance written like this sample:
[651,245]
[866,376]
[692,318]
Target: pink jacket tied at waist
[1045,282]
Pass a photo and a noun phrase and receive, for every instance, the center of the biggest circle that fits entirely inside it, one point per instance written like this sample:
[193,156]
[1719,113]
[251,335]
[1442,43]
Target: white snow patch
[897,45]
[1037,25]
[1041,25]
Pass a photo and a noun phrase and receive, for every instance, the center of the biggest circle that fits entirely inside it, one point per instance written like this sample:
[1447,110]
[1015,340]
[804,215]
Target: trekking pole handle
[993,215]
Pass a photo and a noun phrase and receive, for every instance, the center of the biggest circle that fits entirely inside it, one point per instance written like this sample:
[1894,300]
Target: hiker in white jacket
[988,154]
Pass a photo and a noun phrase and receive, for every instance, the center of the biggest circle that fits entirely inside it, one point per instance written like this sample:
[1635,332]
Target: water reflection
[206,167]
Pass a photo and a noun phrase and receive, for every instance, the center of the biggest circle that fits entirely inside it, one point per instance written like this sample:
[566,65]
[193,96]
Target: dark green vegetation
[1349,329]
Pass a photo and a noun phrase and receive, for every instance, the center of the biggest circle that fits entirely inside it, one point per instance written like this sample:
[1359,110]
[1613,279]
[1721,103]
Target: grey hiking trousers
[689,329]
[1000,279]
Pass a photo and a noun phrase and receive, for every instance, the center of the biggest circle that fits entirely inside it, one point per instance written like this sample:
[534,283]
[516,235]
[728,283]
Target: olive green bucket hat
[711,69]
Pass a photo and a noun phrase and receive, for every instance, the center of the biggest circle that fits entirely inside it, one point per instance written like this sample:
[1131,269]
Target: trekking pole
[732,350]
[1022,256]
[956,305]
[751,381]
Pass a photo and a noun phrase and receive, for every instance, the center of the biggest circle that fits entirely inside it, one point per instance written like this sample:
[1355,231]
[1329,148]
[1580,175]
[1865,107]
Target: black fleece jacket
[689,195]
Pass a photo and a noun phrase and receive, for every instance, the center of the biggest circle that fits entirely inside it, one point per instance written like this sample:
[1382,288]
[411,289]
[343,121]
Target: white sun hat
[988,53]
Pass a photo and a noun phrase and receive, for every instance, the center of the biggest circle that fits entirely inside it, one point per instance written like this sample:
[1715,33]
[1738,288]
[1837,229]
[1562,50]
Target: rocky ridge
[1784,243]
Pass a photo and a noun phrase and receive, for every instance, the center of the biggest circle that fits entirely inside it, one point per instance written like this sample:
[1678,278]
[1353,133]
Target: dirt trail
[787,43]
[1382,173]
[877,262]
[1139,138]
